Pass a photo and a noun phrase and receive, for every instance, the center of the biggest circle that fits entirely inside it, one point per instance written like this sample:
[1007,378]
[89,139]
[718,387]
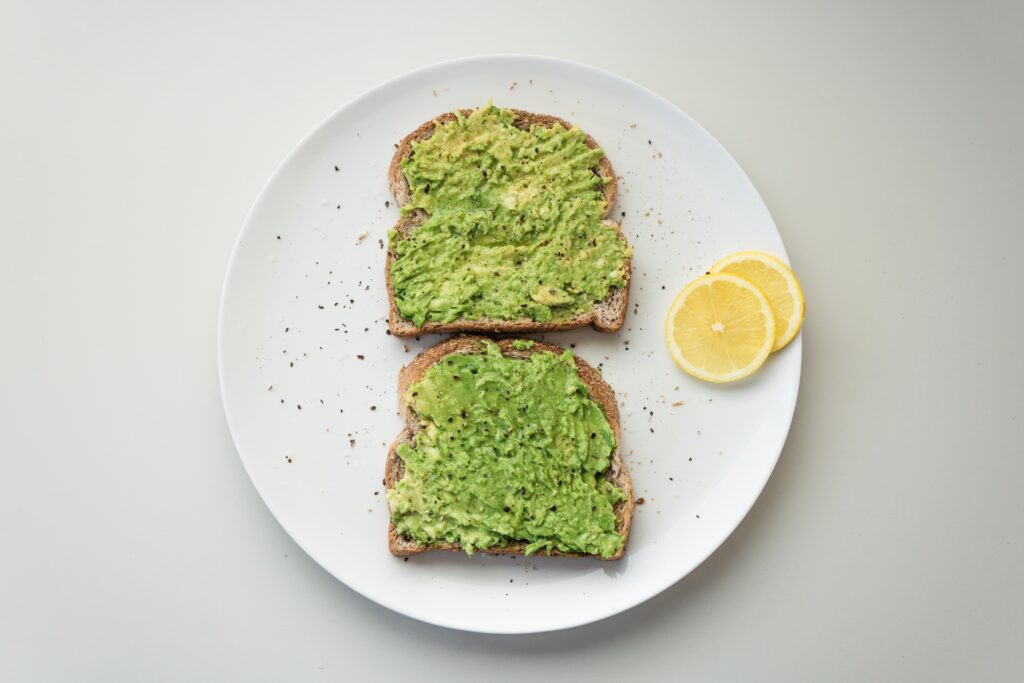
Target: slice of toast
[607,315]
[599,390]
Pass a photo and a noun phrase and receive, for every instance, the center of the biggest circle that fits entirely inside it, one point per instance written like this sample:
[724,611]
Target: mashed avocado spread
[514,227]
[510,451]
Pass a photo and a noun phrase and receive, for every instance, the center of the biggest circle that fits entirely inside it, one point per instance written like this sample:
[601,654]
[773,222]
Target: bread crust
[606,316]
[599,391]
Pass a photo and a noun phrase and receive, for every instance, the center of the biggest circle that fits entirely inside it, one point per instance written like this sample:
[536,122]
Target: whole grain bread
[599,390]
[607,315]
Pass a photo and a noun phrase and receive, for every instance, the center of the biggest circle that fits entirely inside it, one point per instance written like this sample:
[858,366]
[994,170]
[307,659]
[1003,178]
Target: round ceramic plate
[308,372]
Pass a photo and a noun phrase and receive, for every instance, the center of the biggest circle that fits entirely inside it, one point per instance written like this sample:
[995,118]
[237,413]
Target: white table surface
[886,138]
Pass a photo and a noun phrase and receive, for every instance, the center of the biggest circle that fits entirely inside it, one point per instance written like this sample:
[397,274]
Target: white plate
[304,311]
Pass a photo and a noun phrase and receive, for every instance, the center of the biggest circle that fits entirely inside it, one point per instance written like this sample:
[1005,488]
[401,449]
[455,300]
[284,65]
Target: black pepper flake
[298,406]
[640,501]
[336,168]
[387,203]
[373,407]
[360,356]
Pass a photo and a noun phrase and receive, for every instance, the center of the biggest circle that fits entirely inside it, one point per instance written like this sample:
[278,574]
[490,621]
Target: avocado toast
[510,447]
[504,228]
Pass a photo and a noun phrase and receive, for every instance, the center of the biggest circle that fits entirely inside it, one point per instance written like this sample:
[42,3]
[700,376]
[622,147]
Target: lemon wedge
[777,282]
[720,328]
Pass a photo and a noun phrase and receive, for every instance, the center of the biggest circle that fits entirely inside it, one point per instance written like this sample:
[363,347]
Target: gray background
[886,140]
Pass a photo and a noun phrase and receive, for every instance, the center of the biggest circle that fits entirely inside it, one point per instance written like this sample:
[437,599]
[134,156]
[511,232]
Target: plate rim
[728,529]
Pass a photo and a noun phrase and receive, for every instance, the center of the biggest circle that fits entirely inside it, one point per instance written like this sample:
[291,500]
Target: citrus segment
[777,282]
[720,328]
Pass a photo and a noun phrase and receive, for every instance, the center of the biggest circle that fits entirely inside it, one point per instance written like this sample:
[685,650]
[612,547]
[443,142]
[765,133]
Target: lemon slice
[777,282]
[720,328]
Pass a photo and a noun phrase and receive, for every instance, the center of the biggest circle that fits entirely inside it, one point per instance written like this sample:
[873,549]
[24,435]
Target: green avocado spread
[514,227]
[510,451]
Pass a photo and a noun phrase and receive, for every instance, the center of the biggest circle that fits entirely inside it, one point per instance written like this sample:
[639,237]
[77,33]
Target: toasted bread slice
[600,392]
[606,316]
